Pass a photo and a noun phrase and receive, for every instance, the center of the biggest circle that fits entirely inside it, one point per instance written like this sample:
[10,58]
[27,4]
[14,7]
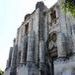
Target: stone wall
[36,51]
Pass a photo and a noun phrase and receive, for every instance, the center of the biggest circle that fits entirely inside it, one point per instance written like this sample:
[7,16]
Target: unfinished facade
[45,43]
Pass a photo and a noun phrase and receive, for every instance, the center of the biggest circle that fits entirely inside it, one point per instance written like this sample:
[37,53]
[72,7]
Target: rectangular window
[26,28]
[53,16]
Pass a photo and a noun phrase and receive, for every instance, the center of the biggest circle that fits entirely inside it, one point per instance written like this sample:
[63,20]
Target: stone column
[10,56]
[73,38]
[24,51]
[42,38]
[32,68]
[14,60]
[30,52]
[42,65]
[61,45]
[41,51]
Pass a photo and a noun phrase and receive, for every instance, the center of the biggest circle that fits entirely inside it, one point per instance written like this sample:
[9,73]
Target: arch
[52,45]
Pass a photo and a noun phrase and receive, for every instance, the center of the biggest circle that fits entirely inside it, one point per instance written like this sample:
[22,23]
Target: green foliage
[69,5]
[1,72]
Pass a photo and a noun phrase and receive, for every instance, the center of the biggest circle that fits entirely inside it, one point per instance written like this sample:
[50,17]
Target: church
[45,43]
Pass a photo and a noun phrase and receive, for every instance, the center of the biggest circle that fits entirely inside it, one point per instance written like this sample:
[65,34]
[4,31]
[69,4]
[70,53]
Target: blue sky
[12,14]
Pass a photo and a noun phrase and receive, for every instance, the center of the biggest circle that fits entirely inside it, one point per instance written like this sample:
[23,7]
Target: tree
[69,5]
[1,72]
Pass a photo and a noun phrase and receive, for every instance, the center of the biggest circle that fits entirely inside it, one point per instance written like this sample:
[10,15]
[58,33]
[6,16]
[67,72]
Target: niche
[52,46]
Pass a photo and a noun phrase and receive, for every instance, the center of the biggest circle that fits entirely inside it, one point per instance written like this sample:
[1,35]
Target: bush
[1,72]
[69,5]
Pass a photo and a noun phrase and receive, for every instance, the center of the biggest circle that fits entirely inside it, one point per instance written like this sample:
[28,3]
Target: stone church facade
[45,43]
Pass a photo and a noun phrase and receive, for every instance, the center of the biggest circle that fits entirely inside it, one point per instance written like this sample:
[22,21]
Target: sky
[12,14]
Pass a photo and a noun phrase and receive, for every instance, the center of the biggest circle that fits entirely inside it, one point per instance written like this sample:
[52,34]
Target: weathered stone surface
[36,51]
